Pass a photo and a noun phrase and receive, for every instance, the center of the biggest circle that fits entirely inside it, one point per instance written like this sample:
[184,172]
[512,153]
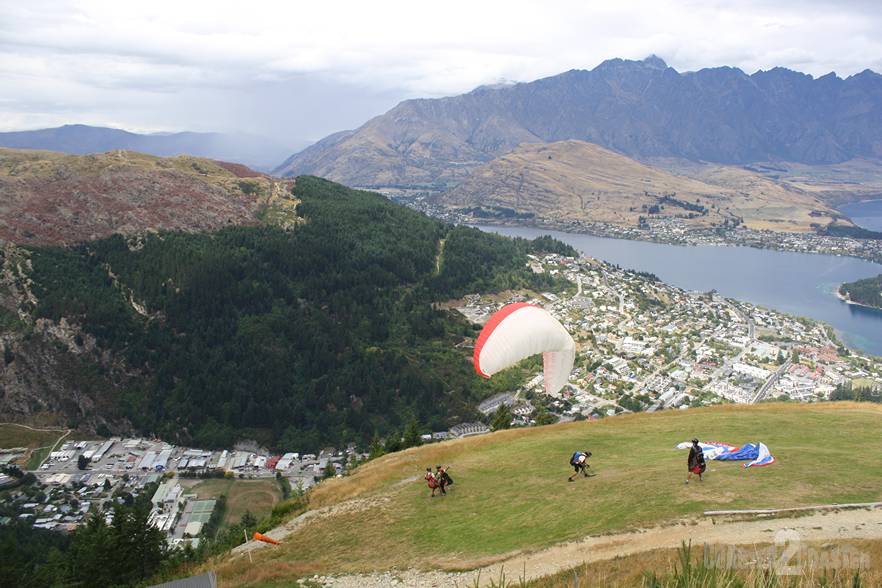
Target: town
[665,229]
[79,477]
[645,345]
[82,476]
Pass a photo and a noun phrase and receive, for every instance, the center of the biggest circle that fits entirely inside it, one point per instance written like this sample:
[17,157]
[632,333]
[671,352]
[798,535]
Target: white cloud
[156,64]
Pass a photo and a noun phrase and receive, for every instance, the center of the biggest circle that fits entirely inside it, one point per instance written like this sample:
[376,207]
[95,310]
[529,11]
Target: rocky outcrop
[52,372]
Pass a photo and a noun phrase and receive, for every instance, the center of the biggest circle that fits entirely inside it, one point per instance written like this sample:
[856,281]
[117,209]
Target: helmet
[695,440]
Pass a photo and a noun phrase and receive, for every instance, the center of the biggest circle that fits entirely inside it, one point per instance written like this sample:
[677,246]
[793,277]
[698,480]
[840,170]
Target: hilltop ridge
[52,198]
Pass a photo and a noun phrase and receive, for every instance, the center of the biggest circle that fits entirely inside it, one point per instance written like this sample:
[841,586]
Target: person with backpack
[432,481]
[579,461]
[696,463]
[444,479]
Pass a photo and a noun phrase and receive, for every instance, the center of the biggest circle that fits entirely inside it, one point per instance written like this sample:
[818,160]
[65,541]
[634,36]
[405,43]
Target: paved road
[770,382]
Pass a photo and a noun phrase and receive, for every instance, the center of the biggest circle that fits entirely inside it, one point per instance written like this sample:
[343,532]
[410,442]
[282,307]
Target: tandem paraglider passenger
[432,481]
[696,463]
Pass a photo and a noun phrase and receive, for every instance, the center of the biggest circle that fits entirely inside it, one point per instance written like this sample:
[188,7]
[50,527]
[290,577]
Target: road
[771,381]
[751,330]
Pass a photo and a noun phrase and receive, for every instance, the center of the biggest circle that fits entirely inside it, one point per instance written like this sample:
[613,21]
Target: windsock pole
[250,557]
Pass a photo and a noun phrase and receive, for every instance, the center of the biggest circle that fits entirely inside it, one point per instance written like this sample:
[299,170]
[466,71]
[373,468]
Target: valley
[472,295]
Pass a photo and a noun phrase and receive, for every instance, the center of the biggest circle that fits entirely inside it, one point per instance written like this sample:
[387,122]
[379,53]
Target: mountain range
[643,109]
[251,150]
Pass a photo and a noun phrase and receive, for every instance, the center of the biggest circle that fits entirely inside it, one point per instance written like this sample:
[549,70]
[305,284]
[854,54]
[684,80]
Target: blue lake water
[801,284]
[866,214]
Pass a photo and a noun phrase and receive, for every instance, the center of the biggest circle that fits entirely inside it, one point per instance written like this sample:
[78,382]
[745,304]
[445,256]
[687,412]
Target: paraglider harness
[431,480]
[697,461]
[579,461]
[438,480]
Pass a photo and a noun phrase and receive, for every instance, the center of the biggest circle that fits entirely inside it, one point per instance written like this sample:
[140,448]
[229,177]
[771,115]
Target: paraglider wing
[520,330]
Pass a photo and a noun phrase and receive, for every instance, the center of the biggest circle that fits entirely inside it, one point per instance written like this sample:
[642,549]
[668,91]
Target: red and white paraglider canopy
[520,330]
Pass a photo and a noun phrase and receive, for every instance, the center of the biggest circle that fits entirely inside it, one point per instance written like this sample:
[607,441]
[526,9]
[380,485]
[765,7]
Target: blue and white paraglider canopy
[756,454]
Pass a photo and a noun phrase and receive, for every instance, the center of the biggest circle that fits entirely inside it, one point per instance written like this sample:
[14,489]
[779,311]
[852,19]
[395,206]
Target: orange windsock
[265,539]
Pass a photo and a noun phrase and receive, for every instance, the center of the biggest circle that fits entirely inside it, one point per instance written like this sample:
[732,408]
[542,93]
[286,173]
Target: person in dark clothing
[445,476]
[695,463]
[442,477]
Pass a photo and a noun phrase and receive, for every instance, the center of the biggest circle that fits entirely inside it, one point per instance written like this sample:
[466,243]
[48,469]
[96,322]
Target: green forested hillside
[321,334]
[867,292]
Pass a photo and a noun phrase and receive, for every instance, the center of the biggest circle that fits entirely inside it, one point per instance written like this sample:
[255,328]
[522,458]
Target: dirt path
[45,429]
[826,526]
[439,256]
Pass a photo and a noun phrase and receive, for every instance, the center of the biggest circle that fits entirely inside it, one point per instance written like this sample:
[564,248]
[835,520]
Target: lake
[801,284]
[867,214]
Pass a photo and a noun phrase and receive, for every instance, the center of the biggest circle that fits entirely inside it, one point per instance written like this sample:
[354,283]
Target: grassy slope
[574,179]
[511,492]
[12,435]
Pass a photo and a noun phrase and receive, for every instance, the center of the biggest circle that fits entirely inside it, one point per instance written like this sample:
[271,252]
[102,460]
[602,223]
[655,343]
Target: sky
[296,71]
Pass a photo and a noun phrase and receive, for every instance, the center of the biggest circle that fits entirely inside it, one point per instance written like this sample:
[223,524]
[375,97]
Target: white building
[757,373]
[765,350]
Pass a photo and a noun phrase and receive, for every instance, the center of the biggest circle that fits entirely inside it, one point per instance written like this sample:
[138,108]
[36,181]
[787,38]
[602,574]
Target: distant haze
[295,72]
[259,153]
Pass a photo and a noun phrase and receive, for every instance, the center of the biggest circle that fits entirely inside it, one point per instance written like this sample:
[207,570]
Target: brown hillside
[579,180]
[52,198]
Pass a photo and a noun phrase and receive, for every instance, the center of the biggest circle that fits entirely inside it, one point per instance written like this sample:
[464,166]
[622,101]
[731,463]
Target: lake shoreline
[795,283]
[690,238]
[847,300]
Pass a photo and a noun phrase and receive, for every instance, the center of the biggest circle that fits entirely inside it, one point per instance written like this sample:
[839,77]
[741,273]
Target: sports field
[255,496]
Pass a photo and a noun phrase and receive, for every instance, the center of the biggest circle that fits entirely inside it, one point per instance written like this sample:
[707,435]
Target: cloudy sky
[296,71]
